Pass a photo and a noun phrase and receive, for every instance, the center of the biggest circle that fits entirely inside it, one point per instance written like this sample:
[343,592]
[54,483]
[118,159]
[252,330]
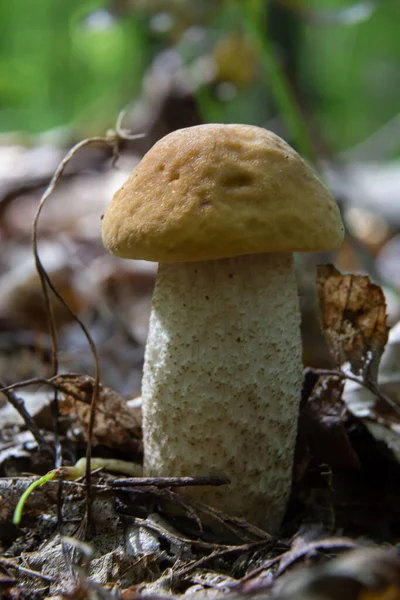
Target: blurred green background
[331,64]
[323,74]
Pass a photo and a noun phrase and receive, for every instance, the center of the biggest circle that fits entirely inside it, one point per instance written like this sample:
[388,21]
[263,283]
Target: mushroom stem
[222,379]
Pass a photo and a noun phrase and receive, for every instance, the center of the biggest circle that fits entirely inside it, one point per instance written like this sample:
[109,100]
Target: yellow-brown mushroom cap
[215,191]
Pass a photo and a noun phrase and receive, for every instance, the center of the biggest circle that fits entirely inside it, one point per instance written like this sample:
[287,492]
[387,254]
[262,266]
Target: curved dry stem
[368,385]
[112,139]
[47,286]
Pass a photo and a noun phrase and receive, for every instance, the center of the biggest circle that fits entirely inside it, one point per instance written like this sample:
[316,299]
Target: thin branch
[9,563]
[112,139]
[237,526]
[48,285]
[53,382]
[369,385]
[218,554]
[173,537]
[20,407]
[122,133]
[167,482]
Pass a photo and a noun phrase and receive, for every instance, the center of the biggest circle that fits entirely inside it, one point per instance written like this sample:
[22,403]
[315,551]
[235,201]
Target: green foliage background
[57,70]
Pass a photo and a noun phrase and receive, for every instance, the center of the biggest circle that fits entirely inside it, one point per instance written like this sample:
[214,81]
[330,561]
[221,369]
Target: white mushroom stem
[222,379]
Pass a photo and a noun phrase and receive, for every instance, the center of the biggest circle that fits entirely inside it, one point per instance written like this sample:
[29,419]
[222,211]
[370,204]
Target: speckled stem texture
[222,379]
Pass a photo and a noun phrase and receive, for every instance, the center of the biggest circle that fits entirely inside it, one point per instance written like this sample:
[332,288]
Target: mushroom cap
[216,191]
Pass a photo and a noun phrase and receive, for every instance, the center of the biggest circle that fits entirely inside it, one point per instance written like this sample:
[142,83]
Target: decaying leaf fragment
[116,424]
[353,313]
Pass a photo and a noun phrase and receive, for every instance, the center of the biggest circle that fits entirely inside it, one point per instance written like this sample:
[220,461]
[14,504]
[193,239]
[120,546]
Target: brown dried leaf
[117,425]
[21,296]
[368,573]
[353,312]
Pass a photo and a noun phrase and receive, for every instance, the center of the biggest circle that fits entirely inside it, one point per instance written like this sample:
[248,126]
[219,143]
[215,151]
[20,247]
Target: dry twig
[219,553]
[11,564]
[369,385]
[20,407]
[167,482]
[112,139]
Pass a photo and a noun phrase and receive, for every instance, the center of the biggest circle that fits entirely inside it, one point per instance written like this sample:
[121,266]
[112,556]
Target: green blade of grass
[21,502]
[253,12]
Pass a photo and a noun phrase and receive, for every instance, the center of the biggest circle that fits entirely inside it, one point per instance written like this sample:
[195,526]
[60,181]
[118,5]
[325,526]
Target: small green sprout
[74,472]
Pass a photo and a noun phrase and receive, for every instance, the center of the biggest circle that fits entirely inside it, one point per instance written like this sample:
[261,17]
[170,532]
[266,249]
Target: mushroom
[222,208]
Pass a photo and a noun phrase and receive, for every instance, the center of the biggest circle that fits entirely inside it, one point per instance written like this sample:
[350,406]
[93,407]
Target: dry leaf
[21,296]
[361,574]
[353,312]
[116,424]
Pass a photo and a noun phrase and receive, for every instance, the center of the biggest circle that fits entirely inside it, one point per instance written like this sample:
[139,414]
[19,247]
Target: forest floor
[133,535]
